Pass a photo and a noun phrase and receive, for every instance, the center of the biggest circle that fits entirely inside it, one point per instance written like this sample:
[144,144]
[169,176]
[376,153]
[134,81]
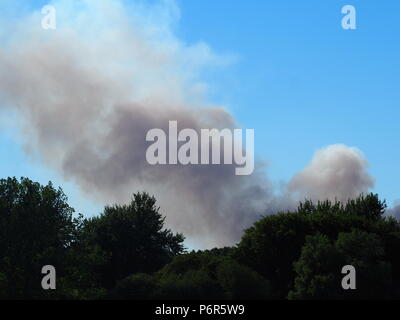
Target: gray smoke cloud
[336,172]
[395,211]
[88,92]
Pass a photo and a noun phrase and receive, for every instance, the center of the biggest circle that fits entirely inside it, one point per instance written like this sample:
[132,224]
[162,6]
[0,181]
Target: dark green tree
[271,246]
[318,270]
[36,229]
[196,276]
[366,252]
[274,243]
[133,238]
[140,286]
[319,267]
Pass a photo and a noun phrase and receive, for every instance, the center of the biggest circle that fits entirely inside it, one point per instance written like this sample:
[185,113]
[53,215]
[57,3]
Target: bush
[136,287]
[273,244]
[319,267]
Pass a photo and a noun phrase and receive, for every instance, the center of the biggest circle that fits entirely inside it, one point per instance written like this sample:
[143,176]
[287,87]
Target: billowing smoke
[89,91]
[336,172]
[395,211]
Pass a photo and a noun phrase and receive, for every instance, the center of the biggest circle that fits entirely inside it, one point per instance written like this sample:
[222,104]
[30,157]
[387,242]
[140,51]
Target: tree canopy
[127,253]
[133,237]
[285,246]
[36,229]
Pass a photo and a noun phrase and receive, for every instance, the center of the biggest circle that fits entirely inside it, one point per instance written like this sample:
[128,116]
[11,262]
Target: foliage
[36,229]
[139,286]
[274,243]
[126,253]
[133,238]
[321,260]
[201,275]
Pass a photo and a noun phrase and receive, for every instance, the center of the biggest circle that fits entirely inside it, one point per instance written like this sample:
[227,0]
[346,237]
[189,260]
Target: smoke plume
[395,211]
[89,91]
[336,172]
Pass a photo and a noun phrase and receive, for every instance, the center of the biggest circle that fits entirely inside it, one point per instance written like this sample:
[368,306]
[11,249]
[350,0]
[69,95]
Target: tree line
[127,253]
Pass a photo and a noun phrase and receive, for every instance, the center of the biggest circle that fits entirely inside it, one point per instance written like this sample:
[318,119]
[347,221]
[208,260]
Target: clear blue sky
[301,81]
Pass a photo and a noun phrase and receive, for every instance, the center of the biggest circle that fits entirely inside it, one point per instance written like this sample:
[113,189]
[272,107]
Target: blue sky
[303,82]
[300,80]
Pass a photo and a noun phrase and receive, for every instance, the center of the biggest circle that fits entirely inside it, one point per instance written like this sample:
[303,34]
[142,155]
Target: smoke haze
[89,92]
[336,172]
